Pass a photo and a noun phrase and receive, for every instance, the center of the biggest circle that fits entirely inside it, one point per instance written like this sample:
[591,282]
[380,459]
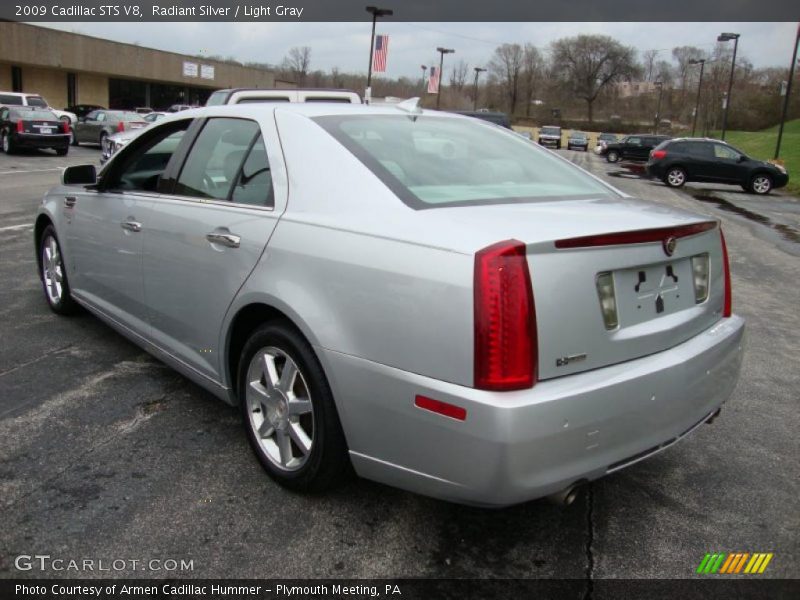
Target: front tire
[53,274]
[288,410]
[612,156]
[675,177]
[761,184]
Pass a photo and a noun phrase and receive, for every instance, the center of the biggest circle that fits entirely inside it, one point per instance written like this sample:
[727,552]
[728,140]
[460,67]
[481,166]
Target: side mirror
[79,175]
[741,158]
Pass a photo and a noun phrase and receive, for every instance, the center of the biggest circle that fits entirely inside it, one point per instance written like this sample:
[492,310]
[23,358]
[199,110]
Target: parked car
[99,124]
[37,101]
[179,107]
[691,159]
[143,110]
[114,142]
[578,140]
[497,118]
[32,127]
[248,95]
[550,135]
[603,140]
[633,147]
[365,297]
[81,110]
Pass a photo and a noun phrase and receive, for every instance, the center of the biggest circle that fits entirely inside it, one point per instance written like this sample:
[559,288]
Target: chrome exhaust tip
[566,496]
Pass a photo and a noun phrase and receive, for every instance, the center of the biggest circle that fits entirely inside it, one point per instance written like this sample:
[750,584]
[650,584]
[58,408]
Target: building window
[16,79]
[72,96]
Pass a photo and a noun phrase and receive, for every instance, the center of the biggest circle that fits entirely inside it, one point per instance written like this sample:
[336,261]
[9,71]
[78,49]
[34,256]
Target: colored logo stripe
[734,563]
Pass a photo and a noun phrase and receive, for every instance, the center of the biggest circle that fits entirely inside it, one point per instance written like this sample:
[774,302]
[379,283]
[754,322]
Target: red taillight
[120,126]
[727,304]
[65,126]
[442,408]
[658,154]
[19,127]
[506,352]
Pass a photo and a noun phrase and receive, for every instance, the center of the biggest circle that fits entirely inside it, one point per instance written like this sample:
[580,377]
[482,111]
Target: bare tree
[649,64]
[458,75]
[505,67]
[298,62]
[588,63]
[532,70]
[683,55]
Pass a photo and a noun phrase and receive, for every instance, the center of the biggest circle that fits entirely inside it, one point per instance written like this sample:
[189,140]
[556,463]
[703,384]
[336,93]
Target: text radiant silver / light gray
[444,304]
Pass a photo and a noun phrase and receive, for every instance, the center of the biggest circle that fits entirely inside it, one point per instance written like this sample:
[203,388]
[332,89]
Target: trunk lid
[41,127]
[654,290]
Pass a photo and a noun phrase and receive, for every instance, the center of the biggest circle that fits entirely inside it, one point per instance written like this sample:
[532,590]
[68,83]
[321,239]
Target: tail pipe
[568,495]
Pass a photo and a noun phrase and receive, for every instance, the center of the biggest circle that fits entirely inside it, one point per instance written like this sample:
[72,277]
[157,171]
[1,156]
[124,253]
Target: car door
[206,236]
[105,224]
[89,130]
[631,148]
[727,165]
[699,160]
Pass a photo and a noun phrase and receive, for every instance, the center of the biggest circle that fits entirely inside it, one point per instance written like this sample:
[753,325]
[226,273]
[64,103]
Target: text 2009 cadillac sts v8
[434,300]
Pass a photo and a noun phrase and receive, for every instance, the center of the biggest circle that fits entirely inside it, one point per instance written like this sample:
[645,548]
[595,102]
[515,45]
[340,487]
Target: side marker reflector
[442,408]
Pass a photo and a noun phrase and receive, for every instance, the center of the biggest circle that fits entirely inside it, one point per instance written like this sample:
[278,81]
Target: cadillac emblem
[670,244]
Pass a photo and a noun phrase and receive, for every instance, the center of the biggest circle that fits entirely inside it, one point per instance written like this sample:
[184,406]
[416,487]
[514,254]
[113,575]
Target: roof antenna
[410,106]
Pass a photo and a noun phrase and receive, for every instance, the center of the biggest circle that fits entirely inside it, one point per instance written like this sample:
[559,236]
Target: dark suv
[633,147]
[689,159]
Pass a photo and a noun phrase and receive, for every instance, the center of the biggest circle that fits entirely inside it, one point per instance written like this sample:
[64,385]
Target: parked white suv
[22,99]
[250,95]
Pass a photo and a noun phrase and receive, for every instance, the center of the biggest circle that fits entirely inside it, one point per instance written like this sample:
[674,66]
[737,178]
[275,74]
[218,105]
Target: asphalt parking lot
[106,453]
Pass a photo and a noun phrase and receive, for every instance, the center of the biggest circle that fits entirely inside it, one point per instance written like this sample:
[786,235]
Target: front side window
[432,161]
[142,167]
[721,151]
[216,157]
[37,101]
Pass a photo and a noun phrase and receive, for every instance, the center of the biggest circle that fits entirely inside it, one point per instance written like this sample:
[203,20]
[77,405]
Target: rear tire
[74,138]
[760,184]
[7,143]
[62,151]
[612,156]
[53,274]
[675,177]
[289,415]
[103,136]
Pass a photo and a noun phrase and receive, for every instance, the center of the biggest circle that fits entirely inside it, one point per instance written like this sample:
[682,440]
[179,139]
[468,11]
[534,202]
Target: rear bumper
[33,140]
[517,446]
[549,142]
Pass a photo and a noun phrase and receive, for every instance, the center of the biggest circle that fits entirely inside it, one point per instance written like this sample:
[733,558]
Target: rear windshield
[35,115]
[262,100]
[434,161]
[578,135]
[551,131]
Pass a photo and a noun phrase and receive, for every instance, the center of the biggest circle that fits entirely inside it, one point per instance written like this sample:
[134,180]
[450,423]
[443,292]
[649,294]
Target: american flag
[433,81]
[381,49]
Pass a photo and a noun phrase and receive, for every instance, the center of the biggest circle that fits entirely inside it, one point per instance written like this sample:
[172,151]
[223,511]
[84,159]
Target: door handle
[224,239]
[131,226]
[69,201]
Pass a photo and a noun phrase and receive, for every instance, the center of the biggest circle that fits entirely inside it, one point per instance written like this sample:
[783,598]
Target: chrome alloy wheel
[676,177]
[52,270]
[761,184]
[280,408]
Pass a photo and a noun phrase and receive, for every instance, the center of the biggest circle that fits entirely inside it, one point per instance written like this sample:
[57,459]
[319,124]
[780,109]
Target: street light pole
[376,12]
[788,93]
[478,71]
[725,37]
[702,63]
[424,70]
[660,85]
[442,52]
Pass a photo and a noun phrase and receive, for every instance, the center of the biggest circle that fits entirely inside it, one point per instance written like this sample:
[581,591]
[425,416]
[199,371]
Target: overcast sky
[346,45]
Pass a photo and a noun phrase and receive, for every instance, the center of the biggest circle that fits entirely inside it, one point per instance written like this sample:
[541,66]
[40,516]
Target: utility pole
[442,52]
[376,12]
[725,37]
[478,71]
[702,63]
[424,70]
[788,94]
[660,85]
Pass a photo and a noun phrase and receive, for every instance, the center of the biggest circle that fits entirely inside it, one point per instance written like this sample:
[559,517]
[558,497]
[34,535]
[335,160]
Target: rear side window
[217,98]
[699,149]
[262,100]
[634,141]
[10,100]
[216,158]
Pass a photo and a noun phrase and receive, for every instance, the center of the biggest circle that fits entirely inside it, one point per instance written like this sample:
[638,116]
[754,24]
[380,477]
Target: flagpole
[442,52]
[376,12]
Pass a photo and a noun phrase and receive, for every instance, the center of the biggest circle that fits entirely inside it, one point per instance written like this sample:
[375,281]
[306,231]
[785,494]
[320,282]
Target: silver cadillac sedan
[426,297]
